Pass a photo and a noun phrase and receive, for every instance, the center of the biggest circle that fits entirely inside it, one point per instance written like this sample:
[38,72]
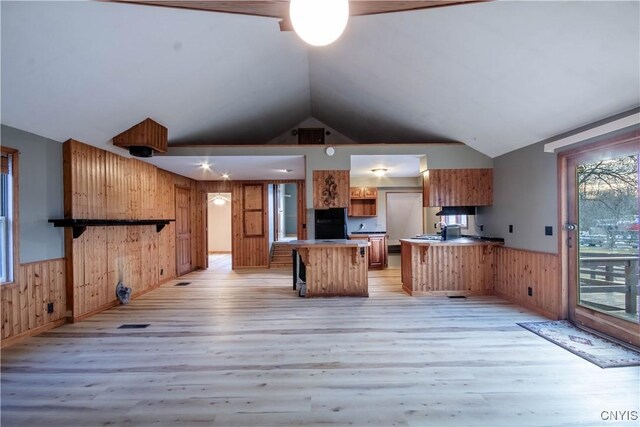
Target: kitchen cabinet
[457,187]
[378,252]
[330,189]
[363,201]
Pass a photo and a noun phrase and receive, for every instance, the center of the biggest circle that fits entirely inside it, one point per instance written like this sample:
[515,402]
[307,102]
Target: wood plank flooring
[240,349]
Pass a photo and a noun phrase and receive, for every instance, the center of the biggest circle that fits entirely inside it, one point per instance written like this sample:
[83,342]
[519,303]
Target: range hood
[457,210]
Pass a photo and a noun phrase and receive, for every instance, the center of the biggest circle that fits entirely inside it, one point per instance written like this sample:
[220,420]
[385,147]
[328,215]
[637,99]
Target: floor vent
[134,326]
[182,284]
[456,296]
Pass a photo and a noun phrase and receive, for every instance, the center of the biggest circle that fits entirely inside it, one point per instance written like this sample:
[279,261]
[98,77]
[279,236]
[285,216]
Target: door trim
[616,327]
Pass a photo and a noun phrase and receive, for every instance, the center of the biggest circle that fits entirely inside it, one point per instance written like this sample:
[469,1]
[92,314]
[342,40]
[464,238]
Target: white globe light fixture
[319,22]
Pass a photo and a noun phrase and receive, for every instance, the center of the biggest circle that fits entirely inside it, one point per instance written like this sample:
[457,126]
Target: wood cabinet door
[377,252]
[370,193]
[183,231]
[356,192]
[330,189]
[458,187]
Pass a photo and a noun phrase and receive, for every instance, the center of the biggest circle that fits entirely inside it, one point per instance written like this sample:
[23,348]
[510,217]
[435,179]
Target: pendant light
[319,22]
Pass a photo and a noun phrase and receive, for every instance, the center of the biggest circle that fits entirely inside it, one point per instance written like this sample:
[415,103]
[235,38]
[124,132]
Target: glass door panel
[608,235]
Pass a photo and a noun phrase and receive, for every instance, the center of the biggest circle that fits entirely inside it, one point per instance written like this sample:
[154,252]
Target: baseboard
[112,304]
[532,307]
[17,338]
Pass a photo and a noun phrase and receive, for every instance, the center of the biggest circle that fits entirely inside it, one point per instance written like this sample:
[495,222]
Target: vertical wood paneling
[101,185]
[24,304]
[447,269]
[458,187]
[516,270]
[335,271]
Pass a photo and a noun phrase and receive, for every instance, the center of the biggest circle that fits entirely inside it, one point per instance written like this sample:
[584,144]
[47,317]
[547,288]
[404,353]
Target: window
[8,171]
[455,219]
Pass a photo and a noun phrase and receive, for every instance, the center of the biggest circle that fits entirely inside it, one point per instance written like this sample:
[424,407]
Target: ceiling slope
[496,76]
[90,70]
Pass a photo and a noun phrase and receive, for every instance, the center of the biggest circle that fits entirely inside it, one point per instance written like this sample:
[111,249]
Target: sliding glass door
[603,238]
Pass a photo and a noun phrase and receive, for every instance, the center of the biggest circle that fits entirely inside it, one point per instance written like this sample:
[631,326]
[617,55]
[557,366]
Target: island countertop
[328,243]
[332,267]
[462,241]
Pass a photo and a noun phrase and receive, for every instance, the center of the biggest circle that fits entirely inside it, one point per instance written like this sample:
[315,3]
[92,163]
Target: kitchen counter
[332,267]
[451,267]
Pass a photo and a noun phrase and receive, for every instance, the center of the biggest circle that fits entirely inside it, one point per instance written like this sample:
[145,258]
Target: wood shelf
[80,225]
[363,202]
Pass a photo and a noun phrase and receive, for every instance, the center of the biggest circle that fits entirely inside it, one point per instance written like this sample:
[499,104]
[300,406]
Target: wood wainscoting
[104,185]
[24,302]
[517,270]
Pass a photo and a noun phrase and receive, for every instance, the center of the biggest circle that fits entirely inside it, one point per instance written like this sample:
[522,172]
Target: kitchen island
[457,267]
[333,267]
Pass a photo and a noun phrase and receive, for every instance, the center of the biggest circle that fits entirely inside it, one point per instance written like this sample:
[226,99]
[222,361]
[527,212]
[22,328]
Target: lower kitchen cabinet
[377,250]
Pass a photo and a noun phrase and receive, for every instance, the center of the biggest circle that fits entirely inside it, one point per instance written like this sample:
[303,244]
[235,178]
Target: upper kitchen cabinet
[458,187]
[330,189]
[363,201]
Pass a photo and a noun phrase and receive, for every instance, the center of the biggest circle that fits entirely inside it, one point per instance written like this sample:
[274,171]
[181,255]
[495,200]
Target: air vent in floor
[134,326]
[182,284]
[456,296]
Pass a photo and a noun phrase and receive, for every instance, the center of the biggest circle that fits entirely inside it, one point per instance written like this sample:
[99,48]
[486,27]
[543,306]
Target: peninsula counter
[453,268]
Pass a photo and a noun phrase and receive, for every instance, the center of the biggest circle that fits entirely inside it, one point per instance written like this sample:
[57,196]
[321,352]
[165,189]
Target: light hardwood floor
[240,348]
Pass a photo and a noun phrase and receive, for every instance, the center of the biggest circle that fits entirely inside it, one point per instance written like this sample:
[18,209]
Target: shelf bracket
[78,230]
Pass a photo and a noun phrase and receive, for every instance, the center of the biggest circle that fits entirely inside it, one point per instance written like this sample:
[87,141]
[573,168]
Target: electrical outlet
[530,291]
[481,227]
[548,230]
[510,228]
[50,308]
[161,271]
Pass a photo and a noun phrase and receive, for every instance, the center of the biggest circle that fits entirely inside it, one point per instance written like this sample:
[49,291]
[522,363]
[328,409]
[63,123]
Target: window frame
[14,262]
[464,225]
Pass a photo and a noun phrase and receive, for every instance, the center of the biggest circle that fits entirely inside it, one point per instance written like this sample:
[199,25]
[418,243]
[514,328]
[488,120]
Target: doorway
[602,234]
[219,230]
[283,212]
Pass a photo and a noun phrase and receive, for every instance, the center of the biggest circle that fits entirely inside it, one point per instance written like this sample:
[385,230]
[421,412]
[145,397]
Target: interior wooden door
[183,231]
[602,237]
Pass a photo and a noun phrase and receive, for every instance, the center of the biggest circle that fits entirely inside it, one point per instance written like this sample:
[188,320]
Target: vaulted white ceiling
[496,76]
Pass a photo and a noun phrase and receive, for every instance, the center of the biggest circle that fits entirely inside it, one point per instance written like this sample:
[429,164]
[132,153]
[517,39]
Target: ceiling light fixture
[379,172]
[319,22]
[219,199]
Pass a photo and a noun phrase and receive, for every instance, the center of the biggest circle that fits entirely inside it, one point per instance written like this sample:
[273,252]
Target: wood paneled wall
[103,185]
[24,303]
[516,270]
[247,250]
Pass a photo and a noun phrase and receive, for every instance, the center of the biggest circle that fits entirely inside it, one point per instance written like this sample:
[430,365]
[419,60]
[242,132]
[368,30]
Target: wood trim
[15,201]
[30,333]
[567,212]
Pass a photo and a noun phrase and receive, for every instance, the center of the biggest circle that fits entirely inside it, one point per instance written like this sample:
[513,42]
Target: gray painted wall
[40,194]
[525,194]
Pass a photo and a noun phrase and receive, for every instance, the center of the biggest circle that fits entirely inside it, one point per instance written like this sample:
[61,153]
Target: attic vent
[311,136]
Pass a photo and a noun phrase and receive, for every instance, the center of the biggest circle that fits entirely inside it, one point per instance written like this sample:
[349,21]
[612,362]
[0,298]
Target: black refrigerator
[331,223]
